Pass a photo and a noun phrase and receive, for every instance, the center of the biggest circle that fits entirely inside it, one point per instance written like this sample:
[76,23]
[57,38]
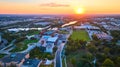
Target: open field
[80,35]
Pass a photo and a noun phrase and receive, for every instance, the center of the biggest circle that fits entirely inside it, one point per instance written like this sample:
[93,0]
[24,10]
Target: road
[11,44]
[58,60]
[58,55]
[5,50]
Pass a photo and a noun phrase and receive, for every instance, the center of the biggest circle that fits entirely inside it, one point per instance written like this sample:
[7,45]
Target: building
[50,32]
[49,47]
[104,36]
[87,26]
[52,40]
[31,63]
[15,58]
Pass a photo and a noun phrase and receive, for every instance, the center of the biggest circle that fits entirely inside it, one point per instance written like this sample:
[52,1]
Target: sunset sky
[59,6]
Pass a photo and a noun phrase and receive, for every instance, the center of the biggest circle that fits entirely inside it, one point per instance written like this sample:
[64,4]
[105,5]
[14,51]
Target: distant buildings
[23,29]
[110,24]
[103,35]
[93,30]
[87,26]
[42,23]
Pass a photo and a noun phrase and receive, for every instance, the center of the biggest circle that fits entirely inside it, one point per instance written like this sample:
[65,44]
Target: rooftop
[31,63]
[52,39]
[15,57]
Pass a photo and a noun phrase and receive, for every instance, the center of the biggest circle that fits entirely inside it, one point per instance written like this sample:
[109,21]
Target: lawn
[33,32]
[80,35]
[23,45]
[30,41]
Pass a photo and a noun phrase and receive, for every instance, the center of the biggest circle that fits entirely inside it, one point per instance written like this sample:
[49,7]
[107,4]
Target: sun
[79,11]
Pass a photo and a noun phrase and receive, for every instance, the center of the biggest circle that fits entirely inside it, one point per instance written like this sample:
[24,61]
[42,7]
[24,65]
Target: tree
[108,63]
[101,56]
[118,61]
[95,37]
[83,62]
[55,49]
[83,43]
[50,57]
[73,61]
[92,48]
[106,50]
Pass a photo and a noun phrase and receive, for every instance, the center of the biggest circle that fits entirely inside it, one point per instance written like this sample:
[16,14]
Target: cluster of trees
[19,47]
[37,53]
[9,36]
[74,45]
[83,60]
[105,51]
[116,35]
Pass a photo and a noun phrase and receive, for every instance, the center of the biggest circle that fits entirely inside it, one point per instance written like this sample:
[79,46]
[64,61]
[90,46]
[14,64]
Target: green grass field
[80,35]
[26,42]
[33,32]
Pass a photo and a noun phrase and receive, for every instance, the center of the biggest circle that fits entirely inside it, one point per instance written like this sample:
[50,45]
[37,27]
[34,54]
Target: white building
[52,40]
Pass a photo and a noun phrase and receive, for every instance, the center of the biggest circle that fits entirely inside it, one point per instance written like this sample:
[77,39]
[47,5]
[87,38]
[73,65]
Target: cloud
[54,5]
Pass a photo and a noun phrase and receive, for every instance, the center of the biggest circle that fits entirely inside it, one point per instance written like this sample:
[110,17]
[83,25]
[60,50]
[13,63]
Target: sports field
[80,35]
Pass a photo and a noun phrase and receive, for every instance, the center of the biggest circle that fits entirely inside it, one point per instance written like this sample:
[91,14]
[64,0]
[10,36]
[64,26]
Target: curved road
[58,55]
[58,60]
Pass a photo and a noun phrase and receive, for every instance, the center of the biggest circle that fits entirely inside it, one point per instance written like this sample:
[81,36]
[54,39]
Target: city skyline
[59,7]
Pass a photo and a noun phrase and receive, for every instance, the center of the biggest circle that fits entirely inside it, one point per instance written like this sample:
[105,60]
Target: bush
[108,63]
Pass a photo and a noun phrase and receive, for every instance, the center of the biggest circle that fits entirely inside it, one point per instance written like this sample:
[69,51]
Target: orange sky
[59,6]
